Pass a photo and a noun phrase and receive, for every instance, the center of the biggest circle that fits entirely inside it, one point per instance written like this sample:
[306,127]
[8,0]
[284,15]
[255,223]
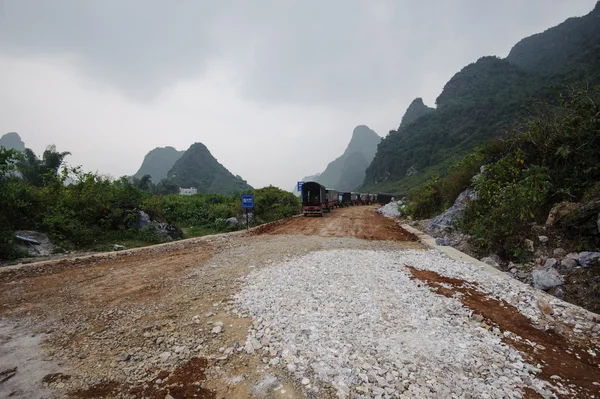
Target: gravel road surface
[348,305]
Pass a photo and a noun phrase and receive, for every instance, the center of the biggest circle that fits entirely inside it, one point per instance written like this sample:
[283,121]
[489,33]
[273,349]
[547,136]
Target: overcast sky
[272,88]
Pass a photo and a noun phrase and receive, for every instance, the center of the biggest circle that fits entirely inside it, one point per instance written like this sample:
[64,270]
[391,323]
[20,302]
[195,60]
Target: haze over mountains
[347,172]
[158,162]
[12,141]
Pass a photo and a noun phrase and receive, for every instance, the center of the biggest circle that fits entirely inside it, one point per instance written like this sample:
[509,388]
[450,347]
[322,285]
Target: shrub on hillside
[511,195]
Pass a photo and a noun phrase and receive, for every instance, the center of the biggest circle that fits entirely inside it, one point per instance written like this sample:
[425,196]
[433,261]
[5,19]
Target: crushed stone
[354,320]
[390,210]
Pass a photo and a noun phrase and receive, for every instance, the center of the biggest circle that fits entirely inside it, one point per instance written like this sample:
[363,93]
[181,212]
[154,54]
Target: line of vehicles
[317,199]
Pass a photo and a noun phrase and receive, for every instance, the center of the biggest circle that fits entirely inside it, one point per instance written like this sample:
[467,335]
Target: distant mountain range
[195,167]
[12,141]
[483,100]
[347,172]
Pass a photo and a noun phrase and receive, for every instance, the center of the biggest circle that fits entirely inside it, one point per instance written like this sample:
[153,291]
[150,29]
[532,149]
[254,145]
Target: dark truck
[314,198]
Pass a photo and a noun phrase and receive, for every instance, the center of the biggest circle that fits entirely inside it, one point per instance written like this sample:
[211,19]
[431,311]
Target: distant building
[188,191]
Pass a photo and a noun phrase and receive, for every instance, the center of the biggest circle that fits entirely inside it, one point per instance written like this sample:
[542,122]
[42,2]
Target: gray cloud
[139,46]
[290,51]
[109,80]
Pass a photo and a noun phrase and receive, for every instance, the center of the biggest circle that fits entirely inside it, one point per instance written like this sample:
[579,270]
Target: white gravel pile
[354,320]
[390,210]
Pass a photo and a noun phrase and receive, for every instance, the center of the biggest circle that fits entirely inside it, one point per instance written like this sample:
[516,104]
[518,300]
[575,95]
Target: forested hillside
[483,99]
[158,162]
[198,168]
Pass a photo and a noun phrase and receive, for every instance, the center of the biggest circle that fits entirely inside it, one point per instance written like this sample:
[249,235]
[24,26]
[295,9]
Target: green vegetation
[550,158]
[93,211]
[484,100]
[208,212]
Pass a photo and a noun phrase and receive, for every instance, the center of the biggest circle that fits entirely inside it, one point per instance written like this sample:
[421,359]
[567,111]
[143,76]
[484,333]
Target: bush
[425,201]
[272,203]
[511,195]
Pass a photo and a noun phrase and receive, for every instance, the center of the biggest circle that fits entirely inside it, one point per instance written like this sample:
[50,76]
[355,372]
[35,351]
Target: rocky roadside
[555,266]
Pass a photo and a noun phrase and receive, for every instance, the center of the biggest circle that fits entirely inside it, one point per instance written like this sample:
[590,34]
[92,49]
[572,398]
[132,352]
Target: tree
[34,170]
[166,187]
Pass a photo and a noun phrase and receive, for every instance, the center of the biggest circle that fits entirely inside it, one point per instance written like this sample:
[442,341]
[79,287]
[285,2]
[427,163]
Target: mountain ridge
[415,110]
[157,163]
[198,168]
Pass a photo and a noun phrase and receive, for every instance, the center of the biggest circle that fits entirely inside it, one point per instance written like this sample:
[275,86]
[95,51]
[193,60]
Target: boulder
[559,252]
[566,265]
[143,220]
[168,230]
[488,260]
[543,239]
[118,247]
[441,241]
[587,259]
[529,245]
[550,262]
[580,219]
[231,220]
[34,242]
[560,211]
[546,278]
[447,220]
[574,256]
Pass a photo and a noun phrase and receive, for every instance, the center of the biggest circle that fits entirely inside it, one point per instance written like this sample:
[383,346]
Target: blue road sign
[300,183]
[247,201]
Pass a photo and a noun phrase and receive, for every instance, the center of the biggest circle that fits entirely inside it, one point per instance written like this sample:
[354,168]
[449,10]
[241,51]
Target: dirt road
[112,326]
[164,320]
[357,221]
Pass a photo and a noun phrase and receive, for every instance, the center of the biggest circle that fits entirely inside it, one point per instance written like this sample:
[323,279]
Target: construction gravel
[354,320]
